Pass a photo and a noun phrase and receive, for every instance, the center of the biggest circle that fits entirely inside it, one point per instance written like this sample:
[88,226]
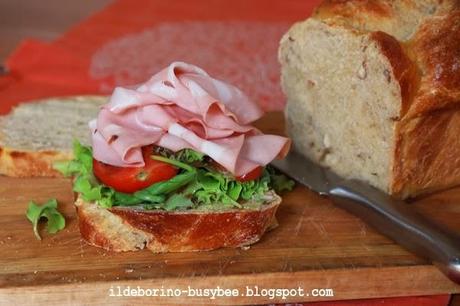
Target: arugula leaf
[188,156]
[191,188]
[125,199]
[279,182]
[56,221]
[172,184]
[173,162]
[178,201]
[147,197]
[152,206]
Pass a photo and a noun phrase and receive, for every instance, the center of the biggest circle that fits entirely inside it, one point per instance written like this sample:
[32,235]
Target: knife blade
[392,217]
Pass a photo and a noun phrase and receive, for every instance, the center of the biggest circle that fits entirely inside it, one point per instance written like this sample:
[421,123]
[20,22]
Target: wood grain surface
[316,245]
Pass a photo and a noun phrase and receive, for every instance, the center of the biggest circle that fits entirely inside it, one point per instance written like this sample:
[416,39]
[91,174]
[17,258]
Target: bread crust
[353,9]
[404,70]
[427,155]
[18,163]
[436,50]
[126,229]
[399,18]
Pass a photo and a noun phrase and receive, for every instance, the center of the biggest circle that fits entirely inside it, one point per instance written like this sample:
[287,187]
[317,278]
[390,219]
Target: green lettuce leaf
[35,212]
[234,190]
[279,182]
[80,165]
[85,183]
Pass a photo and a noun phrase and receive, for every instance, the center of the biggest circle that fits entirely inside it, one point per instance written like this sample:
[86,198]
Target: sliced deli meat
[183,107]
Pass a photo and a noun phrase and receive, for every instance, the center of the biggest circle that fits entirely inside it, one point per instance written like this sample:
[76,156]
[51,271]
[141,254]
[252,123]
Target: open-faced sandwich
[176,166]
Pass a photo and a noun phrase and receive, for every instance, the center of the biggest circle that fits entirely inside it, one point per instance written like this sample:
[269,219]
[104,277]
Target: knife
[392,217]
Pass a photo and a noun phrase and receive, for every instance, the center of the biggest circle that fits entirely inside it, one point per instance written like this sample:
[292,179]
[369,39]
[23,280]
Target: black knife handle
[398,221]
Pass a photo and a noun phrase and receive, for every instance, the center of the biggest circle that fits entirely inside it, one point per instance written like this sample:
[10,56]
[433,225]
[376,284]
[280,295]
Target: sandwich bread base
[121,229]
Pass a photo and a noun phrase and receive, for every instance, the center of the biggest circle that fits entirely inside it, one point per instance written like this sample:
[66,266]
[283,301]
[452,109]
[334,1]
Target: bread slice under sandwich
[36,134]
[129,229]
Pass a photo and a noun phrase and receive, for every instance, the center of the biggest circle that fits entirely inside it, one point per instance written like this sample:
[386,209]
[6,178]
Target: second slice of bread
[36,134]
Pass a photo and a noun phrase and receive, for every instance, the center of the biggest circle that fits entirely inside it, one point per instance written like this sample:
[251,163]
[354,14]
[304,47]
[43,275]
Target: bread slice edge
[121,229]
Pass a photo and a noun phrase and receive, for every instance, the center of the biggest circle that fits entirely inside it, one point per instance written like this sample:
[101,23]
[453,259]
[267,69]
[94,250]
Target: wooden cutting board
[316,246]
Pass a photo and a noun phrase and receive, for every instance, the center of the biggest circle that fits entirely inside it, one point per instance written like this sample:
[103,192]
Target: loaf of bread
[34,135]
[373,91]
[122,229]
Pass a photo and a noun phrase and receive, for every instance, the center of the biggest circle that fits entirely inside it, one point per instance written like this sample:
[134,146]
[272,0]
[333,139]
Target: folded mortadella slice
[183,107]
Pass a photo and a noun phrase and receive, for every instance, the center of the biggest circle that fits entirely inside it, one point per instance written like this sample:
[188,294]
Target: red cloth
[433,300]
[234,40]
[224,43]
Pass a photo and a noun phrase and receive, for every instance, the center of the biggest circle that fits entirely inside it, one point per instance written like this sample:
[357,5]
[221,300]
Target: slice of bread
[373,92]
[128,229]
[36,134]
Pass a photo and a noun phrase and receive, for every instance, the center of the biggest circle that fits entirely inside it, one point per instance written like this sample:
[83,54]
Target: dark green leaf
[173,162]
[188,156]
[125,199]
[281,183]
[147,197]
[192,188]
[172,184]
[178,201]
[152,206]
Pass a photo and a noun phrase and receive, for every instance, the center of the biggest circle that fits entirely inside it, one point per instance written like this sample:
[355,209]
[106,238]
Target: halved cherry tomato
[252,175]
[132,179]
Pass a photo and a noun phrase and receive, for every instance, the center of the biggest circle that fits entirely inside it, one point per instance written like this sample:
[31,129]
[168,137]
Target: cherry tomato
[132,179]
[252,175]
